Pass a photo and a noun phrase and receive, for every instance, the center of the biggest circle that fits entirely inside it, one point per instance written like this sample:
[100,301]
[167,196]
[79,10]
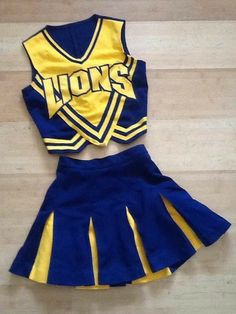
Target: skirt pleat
[206,223]
[164,242]
[40,268]
[24,260]
[114,221]
[118,257]
[71,260]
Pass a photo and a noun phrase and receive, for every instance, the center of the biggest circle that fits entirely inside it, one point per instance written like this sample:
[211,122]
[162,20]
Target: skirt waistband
[129,155]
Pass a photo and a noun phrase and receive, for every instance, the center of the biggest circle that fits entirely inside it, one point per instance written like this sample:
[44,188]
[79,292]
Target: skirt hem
[155,275]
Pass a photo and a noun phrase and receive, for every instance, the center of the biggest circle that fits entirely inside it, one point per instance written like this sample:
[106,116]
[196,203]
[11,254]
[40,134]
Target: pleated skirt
[114,221]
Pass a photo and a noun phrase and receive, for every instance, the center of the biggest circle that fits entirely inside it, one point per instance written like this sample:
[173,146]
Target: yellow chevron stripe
[60,140]
[98,134]
[129,58]
[132,68]
[109,134]
[127,137]
[87,50]
[115,120]
[76,146]
[38,79]
[38,89]
[133,126]
[73,126]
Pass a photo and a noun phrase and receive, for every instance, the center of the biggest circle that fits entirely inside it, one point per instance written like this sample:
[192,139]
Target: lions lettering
[94,79]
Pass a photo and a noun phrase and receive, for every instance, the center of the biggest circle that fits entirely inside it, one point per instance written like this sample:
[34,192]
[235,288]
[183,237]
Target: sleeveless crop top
[86,88]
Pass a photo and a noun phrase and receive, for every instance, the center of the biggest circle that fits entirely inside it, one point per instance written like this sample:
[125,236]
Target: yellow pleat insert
[39,271]
[181,222]
[93,245]
[150,276]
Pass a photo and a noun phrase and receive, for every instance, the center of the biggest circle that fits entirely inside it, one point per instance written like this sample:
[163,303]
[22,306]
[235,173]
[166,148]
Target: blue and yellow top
[86,88]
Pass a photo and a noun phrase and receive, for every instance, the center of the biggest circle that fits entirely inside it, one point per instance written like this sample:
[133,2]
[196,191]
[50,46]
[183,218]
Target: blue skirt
[114,221]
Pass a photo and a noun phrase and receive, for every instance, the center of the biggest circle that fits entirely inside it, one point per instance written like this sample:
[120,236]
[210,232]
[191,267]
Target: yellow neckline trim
[89,49]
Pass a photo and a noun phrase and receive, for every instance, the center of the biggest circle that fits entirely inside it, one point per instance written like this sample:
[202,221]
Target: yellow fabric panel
[94,252]
[153,276]
[131,73]
[45,58]
[141,251]
[92,239]
[99,287]
[61,147]
[61,140]
[39,271]
[181,222]
[115,120]
[91,105]
[108,45]
[48,61]
[138,243]
[106,121]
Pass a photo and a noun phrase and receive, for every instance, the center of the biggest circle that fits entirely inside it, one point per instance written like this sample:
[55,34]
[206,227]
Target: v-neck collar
[90,47]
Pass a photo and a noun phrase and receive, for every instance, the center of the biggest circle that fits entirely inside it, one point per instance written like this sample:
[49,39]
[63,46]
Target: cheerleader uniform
[109,221]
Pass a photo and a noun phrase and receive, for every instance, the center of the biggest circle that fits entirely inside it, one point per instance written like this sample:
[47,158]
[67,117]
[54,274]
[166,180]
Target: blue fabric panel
[69,37]
[117,253]
[133,111]
[71,260]
[54,127]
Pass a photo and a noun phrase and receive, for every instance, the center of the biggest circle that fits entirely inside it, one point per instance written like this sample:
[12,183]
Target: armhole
[123,38]
[33,70]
